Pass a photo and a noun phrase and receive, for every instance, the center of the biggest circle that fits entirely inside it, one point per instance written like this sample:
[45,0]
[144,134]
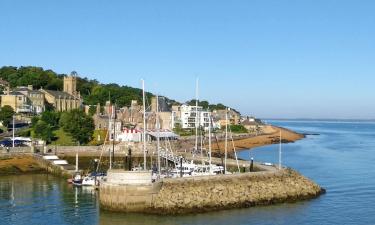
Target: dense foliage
[92,91]
[43,131]
[76,124]
[238,129]
[35,76]
[6,115]
[206,105]
[79,125]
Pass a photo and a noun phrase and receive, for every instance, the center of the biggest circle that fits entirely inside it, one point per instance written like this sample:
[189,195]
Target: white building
[186,116]
[129,135]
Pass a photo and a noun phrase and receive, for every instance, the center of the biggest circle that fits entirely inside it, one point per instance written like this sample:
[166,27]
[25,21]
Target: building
[252,124]
[234,118]
[16,100]
[186,116]
[67,99]
[27,100]
[24,100]
[35,98]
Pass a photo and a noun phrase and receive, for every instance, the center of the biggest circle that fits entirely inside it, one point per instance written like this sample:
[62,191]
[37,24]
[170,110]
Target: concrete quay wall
[207,193]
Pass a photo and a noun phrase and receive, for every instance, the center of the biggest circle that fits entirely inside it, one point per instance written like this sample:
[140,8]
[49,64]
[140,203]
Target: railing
[170,157]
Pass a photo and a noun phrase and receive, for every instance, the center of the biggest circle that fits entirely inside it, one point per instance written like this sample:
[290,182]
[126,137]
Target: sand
[271,136]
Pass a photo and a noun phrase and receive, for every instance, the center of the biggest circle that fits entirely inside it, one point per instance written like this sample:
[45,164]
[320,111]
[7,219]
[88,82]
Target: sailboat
[77,177]
[185,168]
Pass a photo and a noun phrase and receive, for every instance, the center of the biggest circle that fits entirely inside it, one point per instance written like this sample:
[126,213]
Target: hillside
[92,91]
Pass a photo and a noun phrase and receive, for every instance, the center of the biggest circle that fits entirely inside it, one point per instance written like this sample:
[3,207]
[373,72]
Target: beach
[270,136]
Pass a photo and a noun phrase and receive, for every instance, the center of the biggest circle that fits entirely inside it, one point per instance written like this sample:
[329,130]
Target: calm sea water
[341,159]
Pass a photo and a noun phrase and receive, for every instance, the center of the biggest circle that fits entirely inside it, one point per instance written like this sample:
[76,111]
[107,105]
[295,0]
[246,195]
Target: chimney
[30,87]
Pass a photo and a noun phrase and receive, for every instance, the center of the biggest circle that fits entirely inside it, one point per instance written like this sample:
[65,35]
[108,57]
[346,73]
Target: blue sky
[283,59]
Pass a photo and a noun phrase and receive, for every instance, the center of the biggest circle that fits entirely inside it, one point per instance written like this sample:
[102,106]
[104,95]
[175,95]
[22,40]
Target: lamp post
[13,132]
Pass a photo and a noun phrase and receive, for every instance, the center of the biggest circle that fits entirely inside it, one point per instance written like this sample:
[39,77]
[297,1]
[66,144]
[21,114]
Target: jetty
[133,191]
[25,160]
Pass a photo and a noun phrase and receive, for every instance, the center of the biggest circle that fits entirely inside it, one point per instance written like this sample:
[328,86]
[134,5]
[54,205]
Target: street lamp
[13,132]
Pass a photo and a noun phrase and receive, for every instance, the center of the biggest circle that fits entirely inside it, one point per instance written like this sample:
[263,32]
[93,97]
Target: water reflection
[340,159]
[44,199]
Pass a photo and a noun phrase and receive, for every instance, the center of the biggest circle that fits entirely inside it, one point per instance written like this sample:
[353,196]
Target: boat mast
[144,126]
[280,151]
[226,140]
[209,145]
[114,132]
[77,161]
[234,149]
[13,132]
[158,133]
[196,114]
[109,130]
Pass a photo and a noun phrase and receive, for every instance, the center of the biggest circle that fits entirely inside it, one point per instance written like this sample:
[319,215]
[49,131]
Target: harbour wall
[208,193]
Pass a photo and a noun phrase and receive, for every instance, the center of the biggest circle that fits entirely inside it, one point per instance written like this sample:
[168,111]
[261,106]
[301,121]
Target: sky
[267,58]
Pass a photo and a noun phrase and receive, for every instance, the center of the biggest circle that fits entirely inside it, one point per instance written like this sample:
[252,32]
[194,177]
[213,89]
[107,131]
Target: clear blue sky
[284,59]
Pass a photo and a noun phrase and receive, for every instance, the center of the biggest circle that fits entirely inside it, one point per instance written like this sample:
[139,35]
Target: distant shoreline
[270,137]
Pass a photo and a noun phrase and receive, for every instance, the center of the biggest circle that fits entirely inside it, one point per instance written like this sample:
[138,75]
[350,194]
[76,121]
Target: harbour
[335,207]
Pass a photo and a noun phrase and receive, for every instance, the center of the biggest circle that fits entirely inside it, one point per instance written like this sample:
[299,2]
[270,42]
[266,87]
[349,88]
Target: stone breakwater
[208,193]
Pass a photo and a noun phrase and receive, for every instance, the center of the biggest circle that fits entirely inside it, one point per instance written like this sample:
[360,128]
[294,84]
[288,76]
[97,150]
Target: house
[252,124]
[233,116]
[24,100]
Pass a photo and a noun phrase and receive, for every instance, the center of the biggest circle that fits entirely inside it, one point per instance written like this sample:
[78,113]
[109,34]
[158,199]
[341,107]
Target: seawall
[208,193]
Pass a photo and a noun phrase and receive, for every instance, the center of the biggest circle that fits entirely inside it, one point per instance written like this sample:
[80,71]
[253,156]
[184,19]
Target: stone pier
[203,193]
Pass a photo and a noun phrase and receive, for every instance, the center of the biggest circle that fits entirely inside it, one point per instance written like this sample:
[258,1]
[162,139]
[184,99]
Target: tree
[92,110]
[43,131]
[34,120]
[51,118]
[6,115]
[79,125]
[238,129]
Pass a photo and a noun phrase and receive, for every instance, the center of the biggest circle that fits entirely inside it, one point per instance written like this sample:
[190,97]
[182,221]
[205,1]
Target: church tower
[70,84]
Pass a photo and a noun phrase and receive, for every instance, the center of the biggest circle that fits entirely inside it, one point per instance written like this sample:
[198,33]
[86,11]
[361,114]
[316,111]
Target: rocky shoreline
[21,164]
[210,193]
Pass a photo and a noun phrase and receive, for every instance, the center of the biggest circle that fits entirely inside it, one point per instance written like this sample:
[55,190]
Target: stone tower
[70,84]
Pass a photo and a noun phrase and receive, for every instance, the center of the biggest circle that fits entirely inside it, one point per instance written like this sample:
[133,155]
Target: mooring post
[95,166]
[252,165]
[180,166]
[130,158]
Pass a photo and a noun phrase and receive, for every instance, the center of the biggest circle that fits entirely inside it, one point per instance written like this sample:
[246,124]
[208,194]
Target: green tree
[51,118]
[92,110]
[6,115]
[238,129]
[34,120]
[78,125]
[43,131]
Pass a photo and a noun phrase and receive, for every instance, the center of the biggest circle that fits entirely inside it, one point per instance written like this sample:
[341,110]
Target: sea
[338,155]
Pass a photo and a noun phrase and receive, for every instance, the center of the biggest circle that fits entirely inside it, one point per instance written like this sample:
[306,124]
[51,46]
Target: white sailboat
[77,177]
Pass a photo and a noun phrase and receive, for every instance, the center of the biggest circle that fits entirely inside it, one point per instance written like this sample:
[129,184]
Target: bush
[238,129]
